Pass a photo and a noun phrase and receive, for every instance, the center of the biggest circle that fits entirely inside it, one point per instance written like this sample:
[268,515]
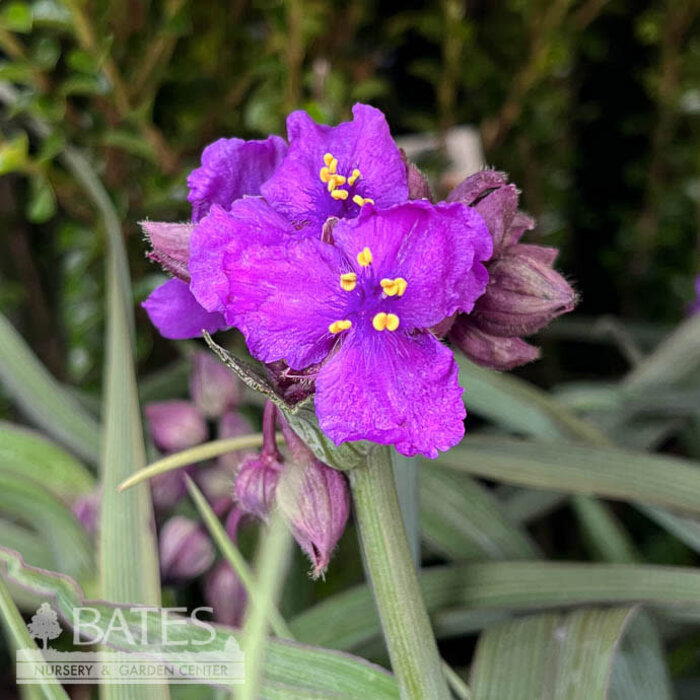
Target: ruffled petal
[436,249]
[392,388]
[250,221]
[283,298]
[296,188]
[232,168]
[176,314]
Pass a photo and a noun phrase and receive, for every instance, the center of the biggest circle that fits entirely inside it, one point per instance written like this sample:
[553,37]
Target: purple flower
[363,306]
[230,170]
[332,171]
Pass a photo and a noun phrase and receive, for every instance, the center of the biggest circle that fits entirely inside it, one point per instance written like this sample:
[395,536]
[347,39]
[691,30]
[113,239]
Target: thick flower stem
[407,631]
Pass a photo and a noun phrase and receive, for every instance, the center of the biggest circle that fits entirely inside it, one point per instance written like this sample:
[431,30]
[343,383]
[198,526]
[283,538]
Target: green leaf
[32,545]
[465,597]
[21,639]
[461,520]
[562,657]
[604,471]
[639,669]
[42,200]
[17,17]
[290,670]
[14,154]
[42,398]
[27,453]
[32,504]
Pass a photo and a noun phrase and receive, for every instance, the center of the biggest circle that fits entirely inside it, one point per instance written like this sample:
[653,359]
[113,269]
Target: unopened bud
[175,425]
[233,424]
[225,594]
[314,500]
[489,350]
[185,549]
[87,510]
[524,294]
[256,484]
[418,185]
[213,387]
[171,246]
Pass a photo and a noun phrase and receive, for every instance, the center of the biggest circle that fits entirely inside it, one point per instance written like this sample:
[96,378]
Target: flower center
[381,320]
[329,175]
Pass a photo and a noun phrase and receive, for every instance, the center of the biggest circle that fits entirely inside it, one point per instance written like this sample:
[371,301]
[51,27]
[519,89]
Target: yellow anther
[328,159]
[361,201]
[325,175]
[364,257]
[356,175]
[395,287]
[348,281]
[340,326]
[334,181]
[383,321]
[339,194]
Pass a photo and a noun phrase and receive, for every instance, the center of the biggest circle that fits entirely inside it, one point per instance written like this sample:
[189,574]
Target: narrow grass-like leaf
[28,453]
[272,562]
[290,670]
[31,503]
[560,657]
[200,453]
[639,668]
[658,480]
[460,595]
[30,544]
[45,402]
[461,520]
[673,360]
[21,639]
[236,560]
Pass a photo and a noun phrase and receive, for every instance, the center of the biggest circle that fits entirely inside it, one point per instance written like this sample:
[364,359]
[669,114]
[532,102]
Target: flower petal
[392,388]
[365,143]
[437,249]
[171,246]
[284,297]
[249,221]
[232,168]
[176,314]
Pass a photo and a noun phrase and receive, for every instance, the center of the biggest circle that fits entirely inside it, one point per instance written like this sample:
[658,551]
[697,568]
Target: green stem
[407,631]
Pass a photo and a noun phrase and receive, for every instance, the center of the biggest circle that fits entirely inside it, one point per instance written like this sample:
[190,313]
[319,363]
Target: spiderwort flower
[185,549]
[363,306]
[231,169]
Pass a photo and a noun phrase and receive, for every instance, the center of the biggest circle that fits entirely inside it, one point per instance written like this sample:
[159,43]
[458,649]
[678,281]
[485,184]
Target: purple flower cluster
[329,257]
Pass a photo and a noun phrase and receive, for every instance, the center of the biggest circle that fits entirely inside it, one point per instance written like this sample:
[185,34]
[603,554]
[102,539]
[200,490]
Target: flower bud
[490,350]
[256,484]
[213,386]
[524,294]
[476,186]
[87,510]
[185,549]
[175,425]
[167,489]
[225,594]
[171,246]
[315,501]
[418,185]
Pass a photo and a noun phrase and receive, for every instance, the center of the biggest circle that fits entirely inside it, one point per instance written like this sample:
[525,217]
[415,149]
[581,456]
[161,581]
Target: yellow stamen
[333,165]
[328,159]
[356,175]
[395,287]
[334,181]
[364,257]
[324,174]
[361,201]
[339,194]
[383,321]
[340,326]
[348,281]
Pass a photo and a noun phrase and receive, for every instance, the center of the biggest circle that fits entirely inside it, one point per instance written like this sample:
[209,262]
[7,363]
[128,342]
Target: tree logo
[44,624]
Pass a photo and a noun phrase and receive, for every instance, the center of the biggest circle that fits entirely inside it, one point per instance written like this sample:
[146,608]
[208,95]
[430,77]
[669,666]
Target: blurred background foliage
[592,107]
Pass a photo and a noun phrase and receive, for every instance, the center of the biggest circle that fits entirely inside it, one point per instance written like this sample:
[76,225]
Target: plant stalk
[390,567]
